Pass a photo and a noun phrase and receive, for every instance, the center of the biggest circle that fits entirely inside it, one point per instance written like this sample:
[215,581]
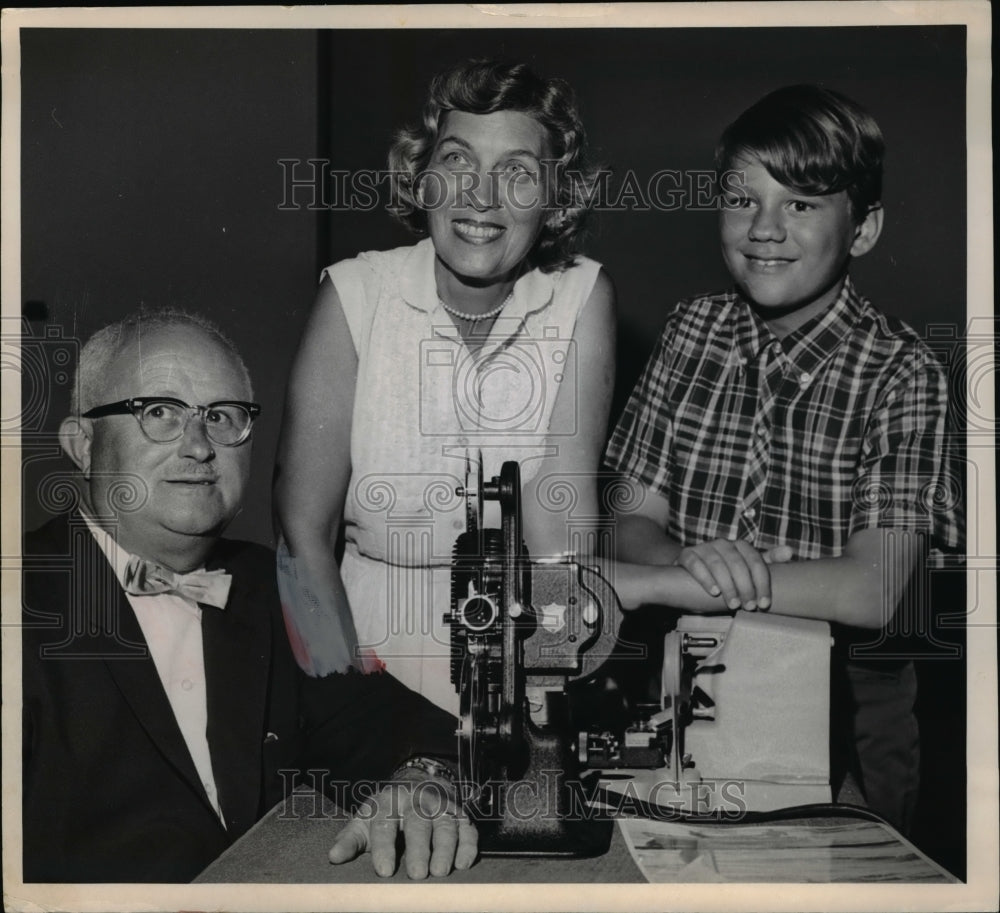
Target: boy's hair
[484,87]
[813,140]
[104,347]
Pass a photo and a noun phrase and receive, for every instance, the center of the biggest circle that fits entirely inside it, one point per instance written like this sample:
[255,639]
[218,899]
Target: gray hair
[107,344]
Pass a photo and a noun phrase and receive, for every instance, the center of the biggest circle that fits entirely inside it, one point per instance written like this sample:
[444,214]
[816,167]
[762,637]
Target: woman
[488,340]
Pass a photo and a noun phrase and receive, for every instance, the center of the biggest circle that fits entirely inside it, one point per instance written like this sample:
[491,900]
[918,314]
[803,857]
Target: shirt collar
[752,334]
[815,340]
[117,556]
[812,342]
[418,288]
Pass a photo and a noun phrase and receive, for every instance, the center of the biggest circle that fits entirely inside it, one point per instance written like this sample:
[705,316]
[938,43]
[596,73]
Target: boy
[789,419]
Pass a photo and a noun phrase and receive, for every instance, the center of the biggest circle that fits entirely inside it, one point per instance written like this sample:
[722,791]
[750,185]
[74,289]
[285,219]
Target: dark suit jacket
[110,790]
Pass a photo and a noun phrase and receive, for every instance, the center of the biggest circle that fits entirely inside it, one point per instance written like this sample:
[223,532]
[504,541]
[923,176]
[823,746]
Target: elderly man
[163,709]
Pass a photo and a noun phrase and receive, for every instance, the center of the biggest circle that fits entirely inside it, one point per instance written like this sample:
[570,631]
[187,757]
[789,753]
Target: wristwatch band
[430,766]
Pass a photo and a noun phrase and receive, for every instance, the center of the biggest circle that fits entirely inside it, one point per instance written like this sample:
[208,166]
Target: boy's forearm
[846,590]
[652,584]
[860,588]
[827,590]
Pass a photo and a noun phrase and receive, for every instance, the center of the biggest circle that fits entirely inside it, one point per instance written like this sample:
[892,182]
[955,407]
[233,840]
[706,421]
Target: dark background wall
[658,99]
[150,175]
[150,169]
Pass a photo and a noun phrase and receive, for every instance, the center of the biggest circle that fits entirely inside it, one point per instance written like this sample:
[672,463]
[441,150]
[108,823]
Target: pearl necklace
[475,318]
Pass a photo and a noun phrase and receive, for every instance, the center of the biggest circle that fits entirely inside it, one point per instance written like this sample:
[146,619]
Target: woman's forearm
[312,474]
[315,607]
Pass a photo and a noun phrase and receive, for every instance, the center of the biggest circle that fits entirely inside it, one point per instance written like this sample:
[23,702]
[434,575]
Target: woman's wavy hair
[813,140]
[483,87]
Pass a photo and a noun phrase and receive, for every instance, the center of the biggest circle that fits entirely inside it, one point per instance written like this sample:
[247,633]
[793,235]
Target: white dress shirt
[171,625]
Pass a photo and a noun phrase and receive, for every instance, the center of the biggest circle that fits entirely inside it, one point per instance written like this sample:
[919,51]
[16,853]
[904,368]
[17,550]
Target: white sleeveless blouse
[423,405]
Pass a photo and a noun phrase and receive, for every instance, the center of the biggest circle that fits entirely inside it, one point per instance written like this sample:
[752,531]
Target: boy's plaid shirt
[839,427]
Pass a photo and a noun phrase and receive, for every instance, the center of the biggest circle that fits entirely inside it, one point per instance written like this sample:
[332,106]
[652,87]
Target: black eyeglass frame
[136,404]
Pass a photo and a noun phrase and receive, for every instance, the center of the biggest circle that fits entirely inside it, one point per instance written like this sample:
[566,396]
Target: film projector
[741,724]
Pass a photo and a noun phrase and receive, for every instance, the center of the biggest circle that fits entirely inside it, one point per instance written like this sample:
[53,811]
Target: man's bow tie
[145,578]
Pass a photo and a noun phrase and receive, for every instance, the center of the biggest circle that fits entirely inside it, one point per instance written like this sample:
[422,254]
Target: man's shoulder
[65,541]
[248,562]
[56,532]
[53,536]
[242,550]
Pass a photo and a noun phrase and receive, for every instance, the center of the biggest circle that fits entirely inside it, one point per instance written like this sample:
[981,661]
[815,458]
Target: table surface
[290,845]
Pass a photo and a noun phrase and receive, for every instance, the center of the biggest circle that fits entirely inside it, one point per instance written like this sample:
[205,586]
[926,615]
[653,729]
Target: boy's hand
[438,835]
[736,571]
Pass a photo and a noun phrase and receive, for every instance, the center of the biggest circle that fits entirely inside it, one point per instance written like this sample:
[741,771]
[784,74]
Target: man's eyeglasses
[163,418]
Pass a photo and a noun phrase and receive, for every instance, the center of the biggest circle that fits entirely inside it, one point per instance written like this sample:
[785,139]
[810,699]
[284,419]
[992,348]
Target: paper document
[858,851]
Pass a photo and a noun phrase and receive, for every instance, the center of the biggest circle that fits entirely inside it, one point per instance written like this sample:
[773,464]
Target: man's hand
[437,834]
[736,571]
